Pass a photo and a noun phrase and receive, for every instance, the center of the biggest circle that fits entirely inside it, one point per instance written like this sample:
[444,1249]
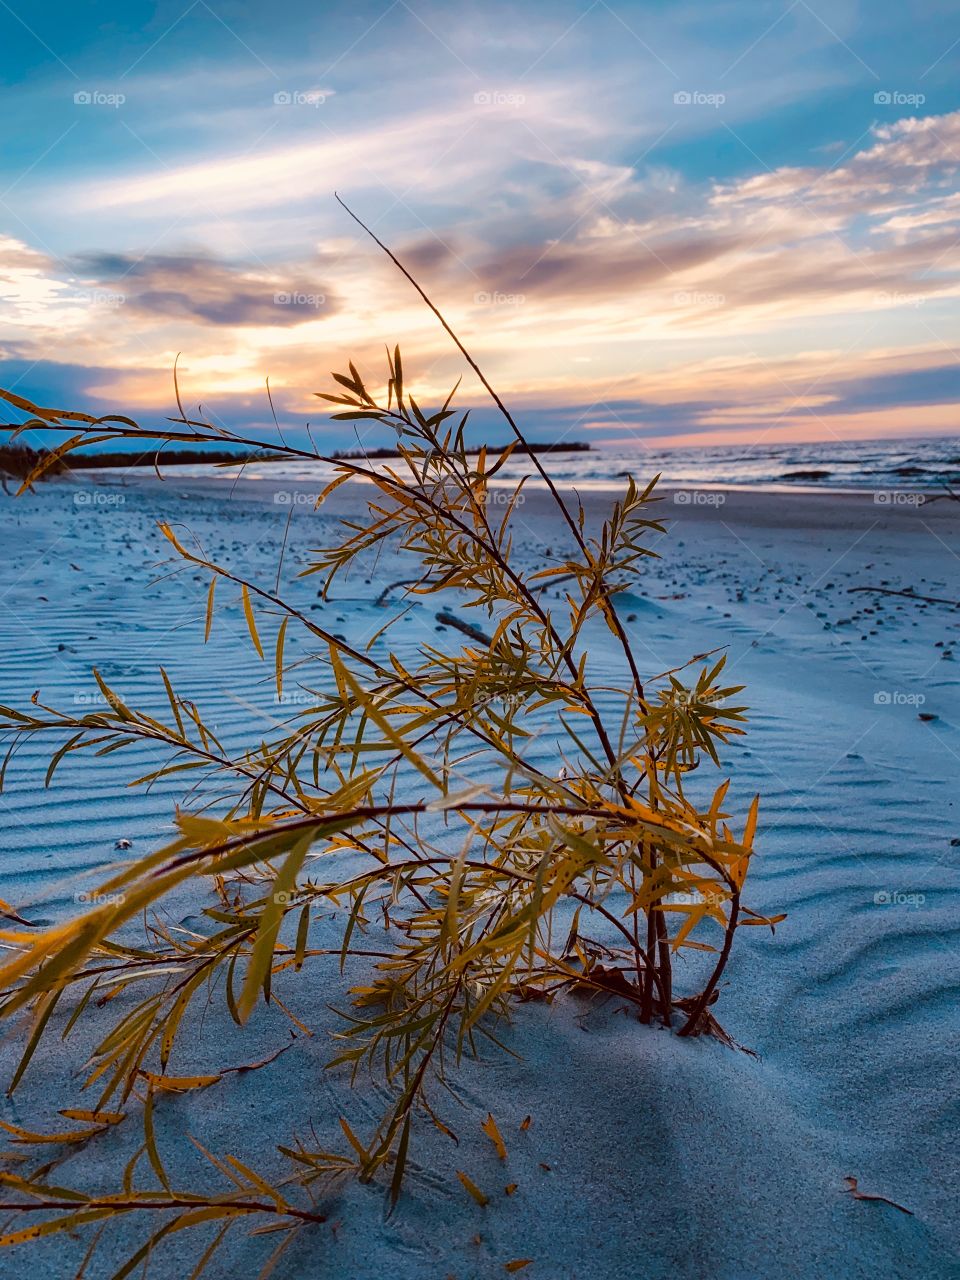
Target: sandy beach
[664,1157]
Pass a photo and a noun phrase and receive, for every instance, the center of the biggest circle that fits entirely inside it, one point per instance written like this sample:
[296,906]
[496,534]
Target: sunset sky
[697,223]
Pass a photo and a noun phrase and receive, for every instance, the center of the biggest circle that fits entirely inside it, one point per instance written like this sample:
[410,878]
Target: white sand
[667,1157]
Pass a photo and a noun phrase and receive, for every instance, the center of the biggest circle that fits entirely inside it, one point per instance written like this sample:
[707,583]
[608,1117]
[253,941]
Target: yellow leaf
[768,920]
[354,1141]
[93,1117]
[25,1137]
[489,1127]
[251,624]
[178,1084]
[261,955]
[209,623]
[54,1225]
[751,827]
[281,636]
[473,1189]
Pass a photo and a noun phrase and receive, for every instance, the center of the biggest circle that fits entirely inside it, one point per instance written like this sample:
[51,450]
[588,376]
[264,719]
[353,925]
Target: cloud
[909,388]
[905,158]
[15,256]
[601,266]
[28,286]
[800,242]
[457,144]
[199,288]
[807,407]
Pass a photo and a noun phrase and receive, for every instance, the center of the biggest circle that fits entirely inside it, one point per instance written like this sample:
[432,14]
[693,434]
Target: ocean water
[918,465]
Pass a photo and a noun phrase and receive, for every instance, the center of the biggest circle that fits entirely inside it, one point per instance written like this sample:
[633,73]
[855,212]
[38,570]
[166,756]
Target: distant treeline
[575,446]
[18,460]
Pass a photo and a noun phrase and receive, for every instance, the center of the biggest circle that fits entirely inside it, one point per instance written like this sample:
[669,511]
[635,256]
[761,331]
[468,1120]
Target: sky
[688,223]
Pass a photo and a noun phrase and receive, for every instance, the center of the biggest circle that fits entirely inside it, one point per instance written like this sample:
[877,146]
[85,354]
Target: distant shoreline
[19,461]
[575,446]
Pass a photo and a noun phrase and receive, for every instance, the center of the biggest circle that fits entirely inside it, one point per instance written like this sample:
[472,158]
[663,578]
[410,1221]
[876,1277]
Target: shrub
[500,881]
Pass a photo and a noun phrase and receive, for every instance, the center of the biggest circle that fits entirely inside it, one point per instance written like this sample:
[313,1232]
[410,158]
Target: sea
[913,464]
